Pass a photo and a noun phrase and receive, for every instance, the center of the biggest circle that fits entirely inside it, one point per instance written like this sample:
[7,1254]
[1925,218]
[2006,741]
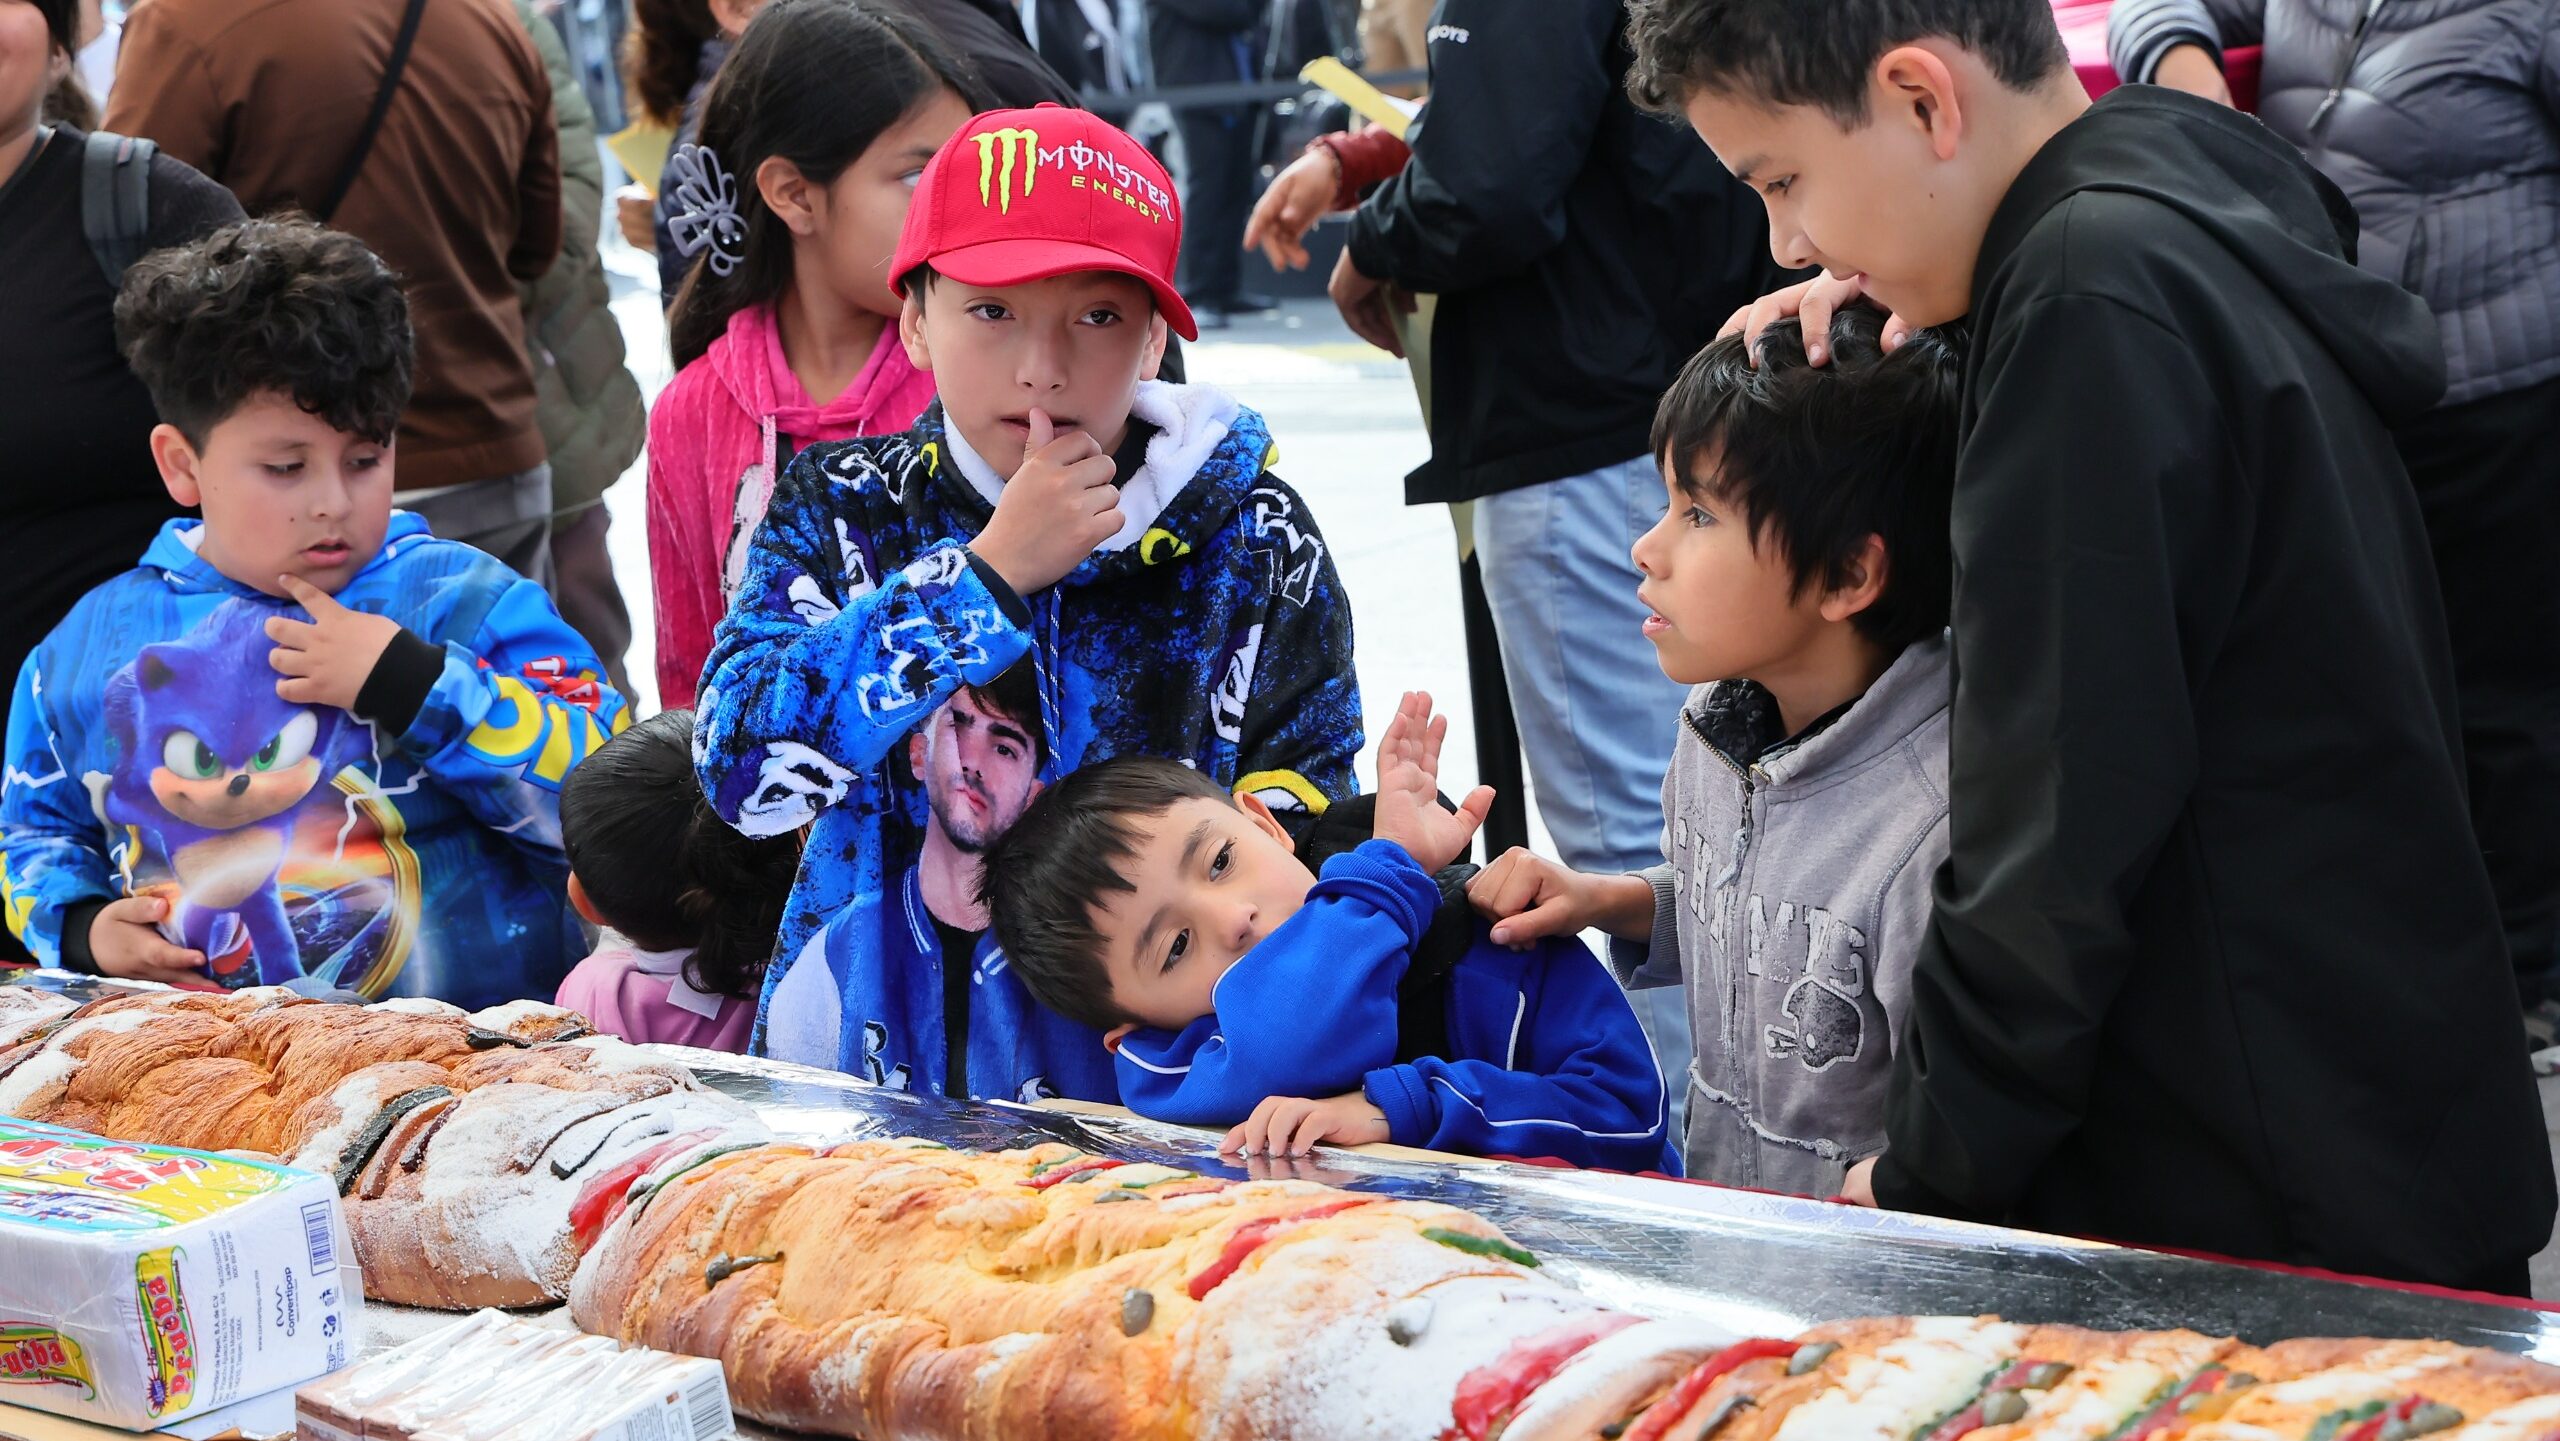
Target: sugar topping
[40,1073]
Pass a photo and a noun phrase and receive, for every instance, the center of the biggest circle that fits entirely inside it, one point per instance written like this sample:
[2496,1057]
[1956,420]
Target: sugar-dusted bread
[887,1289]
[458,1140]
[1949,1378]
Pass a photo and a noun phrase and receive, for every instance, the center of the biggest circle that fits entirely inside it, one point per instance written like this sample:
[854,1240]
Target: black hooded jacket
[2214,962]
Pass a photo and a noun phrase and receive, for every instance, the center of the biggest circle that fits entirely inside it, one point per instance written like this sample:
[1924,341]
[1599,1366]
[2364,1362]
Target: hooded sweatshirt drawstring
[1047,634]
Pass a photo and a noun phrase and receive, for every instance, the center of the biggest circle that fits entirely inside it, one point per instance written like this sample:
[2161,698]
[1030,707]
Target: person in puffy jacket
[2440,119]
[588,404]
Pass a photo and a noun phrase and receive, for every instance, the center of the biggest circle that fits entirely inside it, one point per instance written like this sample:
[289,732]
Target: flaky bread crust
[268,1072]
[2309,1379]
[935,1295]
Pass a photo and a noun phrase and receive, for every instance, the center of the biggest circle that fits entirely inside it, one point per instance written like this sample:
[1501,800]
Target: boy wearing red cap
[1058,506]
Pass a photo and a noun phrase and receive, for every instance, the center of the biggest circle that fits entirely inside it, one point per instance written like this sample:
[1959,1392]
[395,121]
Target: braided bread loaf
[458,1141]
[888,1289]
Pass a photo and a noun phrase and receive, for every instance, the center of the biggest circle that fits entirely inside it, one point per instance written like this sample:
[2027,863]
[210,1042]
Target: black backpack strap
[1422,998]
[115,200]
[390,86]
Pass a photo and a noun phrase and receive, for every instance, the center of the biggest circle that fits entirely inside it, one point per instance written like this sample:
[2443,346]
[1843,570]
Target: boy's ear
[788,194]
[911,326]
[1916,87]
[1868,572]
[180,469]
[579,902]
[1262,818]
[1158,336]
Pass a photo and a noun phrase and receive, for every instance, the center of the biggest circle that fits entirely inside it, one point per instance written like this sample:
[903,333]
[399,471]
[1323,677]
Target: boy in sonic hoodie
[304,740]
[1121,537]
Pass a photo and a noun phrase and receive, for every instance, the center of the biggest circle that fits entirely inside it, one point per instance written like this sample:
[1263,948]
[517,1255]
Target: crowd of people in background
[2054,715]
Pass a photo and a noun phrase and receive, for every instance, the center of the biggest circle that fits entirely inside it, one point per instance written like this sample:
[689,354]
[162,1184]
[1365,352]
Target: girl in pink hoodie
[812,139]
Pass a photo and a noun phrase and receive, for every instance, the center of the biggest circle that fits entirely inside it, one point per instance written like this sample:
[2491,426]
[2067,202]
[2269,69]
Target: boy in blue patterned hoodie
[304,741]
[1059,509]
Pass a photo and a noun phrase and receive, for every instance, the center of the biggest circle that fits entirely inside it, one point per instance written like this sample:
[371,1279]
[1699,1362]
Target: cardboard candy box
[141,1285]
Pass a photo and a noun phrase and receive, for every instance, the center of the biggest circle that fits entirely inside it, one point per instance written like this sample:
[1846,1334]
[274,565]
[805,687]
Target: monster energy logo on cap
[998,174]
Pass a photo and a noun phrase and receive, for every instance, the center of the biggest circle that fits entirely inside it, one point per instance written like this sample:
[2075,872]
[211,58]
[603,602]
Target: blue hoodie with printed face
[415,853]
[1212,630]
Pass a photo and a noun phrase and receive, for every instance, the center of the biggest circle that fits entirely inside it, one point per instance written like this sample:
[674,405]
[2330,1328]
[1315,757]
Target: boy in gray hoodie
[1800,582]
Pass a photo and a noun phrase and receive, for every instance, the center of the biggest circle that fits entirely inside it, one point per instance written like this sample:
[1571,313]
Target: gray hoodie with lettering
[1793,898]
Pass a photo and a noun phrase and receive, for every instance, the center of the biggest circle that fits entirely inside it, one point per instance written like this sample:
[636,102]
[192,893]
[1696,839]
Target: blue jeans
[1597,715]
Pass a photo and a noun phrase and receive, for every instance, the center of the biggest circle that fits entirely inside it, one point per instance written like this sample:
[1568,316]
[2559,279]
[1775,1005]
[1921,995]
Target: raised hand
[1409,811]
[327,660]
[1060,504]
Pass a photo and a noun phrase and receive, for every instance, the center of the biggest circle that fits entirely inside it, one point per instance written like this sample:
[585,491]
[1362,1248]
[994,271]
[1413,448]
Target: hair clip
[705,216]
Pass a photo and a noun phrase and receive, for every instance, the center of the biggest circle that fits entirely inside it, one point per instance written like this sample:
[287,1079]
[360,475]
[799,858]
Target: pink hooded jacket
[717,436]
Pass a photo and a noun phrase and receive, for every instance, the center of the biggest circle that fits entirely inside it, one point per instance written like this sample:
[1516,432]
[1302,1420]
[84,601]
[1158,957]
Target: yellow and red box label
[33,1353]
[168,1336]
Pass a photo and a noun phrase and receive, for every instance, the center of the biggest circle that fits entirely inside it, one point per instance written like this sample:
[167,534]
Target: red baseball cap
[1022,195]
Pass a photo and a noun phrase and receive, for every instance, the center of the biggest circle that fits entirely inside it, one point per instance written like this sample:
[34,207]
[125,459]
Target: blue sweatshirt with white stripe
[1546,1058]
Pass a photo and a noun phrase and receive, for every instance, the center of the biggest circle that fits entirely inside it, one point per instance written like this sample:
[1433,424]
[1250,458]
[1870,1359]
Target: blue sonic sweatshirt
[413,851]
[1211,629]
[1544,1054]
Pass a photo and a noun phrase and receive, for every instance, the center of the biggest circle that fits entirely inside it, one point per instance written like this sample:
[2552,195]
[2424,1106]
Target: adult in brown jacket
[459,194]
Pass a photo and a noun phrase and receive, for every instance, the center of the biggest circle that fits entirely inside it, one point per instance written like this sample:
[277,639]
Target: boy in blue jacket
[1057,508]
[304,740]
[1240,989]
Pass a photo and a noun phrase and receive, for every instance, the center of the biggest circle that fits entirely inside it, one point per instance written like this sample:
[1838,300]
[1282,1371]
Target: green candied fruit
[1475,1245]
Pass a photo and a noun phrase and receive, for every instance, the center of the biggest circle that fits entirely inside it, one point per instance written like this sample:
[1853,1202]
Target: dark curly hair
[281,306]
[1817,52]
[1818,459]
[660,867]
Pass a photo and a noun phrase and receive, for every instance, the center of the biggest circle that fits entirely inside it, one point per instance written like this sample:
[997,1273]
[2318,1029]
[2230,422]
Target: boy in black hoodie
[2214,961]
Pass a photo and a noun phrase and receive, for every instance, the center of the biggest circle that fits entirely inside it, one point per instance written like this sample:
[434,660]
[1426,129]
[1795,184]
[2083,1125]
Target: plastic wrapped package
[493,1377]
[141,1285]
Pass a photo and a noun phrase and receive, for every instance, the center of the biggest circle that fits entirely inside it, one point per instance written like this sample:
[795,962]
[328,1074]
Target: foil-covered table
[1753,1264]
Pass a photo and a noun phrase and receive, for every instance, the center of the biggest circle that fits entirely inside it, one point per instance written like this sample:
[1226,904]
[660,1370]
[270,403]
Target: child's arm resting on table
[1580,1084]
[1305,1013]
[820,667]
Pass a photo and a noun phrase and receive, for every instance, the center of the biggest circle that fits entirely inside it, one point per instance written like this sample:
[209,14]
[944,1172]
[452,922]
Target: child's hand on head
[125,941]
[1292,1125]
[1409,810]
[326,660]
[1813,303]
[1061,503]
